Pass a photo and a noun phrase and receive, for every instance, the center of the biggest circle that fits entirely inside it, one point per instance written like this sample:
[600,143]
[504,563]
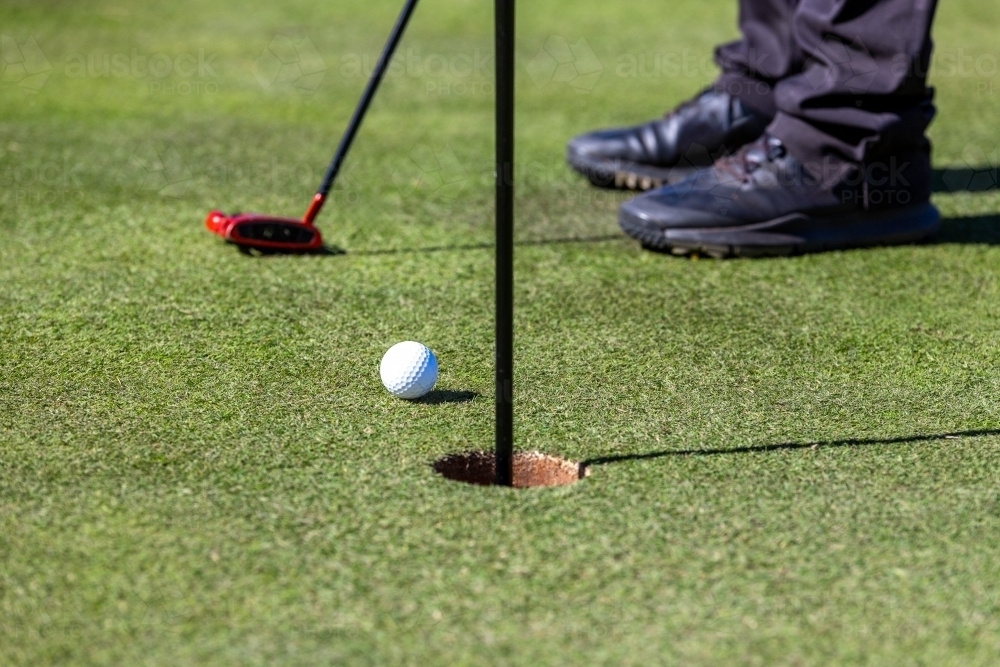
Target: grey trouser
[846,80]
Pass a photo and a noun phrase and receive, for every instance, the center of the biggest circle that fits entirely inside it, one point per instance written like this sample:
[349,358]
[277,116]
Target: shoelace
[741,164]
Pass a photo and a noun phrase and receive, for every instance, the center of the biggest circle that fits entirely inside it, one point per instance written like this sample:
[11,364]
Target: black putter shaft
[504,19]
[359,112]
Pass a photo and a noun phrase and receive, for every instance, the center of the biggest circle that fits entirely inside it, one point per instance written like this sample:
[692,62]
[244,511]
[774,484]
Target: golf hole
[531,469]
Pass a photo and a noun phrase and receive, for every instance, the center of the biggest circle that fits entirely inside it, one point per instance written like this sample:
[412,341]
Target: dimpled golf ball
[409,370]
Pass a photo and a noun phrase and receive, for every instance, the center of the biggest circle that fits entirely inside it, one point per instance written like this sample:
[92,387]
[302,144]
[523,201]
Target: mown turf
[795,461]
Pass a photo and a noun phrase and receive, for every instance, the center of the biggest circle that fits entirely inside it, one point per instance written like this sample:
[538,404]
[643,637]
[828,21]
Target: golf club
[268,233]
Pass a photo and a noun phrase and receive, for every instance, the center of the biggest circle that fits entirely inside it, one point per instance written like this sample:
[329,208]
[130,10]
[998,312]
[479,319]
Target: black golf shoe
[669,149]
[762,201]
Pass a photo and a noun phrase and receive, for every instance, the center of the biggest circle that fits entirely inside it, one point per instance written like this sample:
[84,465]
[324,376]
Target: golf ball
[409,370]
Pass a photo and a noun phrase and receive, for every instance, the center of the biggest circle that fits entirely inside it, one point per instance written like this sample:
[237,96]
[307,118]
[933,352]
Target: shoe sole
[622,175]
[792,234]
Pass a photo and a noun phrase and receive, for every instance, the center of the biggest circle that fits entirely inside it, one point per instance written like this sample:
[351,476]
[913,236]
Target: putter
[268,233]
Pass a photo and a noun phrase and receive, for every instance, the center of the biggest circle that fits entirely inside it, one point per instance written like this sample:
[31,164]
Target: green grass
[198,464]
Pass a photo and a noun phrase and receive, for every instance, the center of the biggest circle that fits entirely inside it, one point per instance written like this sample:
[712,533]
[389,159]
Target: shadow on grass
[322,251]
[851,442]
[965,179]
[975,229]
[486,246]
[334,251]
[440,396]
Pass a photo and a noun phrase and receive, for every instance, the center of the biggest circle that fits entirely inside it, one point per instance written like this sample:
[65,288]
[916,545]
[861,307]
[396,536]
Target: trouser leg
[766,54]
[862,94]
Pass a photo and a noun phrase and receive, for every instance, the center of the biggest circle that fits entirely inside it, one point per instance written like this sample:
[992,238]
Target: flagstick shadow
[487,246]
[970,230]
[757,449]
[335,251]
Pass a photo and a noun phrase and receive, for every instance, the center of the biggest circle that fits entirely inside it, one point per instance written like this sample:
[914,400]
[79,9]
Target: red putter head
[270,234]
[266,233]
[218,222]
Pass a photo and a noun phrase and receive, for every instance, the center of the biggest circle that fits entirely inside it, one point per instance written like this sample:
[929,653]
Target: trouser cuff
[754,93]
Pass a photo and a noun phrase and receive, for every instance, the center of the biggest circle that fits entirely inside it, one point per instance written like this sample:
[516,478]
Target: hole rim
[532,469]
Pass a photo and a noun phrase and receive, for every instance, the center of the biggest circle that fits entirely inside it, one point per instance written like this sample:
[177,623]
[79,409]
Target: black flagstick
[504,20]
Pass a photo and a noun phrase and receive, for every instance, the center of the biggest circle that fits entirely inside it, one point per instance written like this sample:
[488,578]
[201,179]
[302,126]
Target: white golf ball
[409,370]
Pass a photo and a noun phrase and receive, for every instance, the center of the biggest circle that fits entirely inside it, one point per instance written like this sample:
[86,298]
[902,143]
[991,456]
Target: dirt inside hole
[531,469]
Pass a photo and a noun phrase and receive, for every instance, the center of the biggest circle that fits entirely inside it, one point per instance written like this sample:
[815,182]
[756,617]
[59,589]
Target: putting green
[793,461]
